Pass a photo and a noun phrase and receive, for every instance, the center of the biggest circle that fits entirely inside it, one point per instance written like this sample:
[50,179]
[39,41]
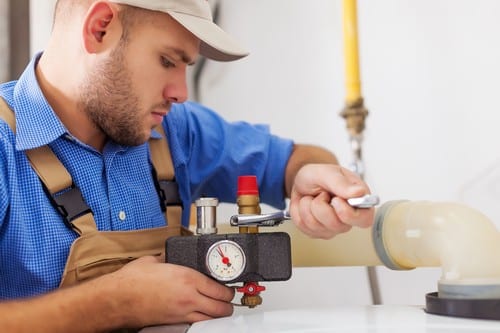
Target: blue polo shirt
[208,155]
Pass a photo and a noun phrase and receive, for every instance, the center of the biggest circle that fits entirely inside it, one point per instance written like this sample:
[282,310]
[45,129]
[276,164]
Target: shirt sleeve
[215,152]
[4,198]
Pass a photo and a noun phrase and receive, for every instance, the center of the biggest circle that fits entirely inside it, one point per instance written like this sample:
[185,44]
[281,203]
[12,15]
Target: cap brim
[215,44]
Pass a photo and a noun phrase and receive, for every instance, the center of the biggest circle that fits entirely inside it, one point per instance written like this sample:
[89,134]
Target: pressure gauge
[225,260]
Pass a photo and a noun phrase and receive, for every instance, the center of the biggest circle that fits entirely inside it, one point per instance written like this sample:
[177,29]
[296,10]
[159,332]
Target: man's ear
[101,27]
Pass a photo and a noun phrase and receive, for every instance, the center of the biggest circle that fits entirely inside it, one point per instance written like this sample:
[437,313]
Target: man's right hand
[144,292]
[155,293]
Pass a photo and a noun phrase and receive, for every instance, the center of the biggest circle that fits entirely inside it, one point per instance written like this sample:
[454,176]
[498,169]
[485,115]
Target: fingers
[200,316]
[317,218]
[213,308]
[193,317]
[315,178]
[207,298]
[311,206]
[166,293]
[215,290]
[214,298]
[320,217]
[359,217]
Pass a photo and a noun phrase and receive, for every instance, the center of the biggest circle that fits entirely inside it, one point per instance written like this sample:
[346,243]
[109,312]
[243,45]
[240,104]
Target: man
[112,71]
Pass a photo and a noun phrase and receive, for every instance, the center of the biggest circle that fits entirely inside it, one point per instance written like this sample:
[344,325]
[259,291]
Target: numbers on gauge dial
[225,260]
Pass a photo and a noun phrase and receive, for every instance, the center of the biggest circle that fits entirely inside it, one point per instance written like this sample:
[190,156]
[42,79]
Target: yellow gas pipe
[353,85]
[354,111]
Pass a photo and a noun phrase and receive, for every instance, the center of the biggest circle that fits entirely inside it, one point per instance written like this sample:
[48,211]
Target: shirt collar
[155,134]
[36,122]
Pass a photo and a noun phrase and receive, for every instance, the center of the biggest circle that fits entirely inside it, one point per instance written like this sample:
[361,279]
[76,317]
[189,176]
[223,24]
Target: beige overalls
[96,252]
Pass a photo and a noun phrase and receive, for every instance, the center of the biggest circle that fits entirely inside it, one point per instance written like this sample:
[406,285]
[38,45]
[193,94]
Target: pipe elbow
[460,239]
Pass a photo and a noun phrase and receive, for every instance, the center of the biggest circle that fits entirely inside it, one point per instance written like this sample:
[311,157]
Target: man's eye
[167,63]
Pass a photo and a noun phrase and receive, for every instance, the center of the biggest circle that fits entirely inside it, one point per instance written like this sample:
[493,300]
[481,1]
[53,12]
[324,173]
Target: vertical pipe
[354,112]
[352,78]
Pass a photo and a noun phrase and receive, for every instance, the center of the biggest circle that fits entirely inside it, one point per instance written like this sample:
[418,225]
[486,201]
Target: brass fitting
[355,113]
[251,300]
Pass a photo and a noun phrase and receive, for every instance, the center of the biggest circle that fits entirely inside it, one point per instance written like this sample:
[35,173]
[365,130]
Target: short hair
[130,17]
[63,8]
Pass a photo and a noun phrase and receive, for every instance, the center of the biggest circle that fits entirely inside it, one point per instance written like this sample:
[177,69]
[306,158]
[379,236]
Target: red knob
[247,185]
[251,288]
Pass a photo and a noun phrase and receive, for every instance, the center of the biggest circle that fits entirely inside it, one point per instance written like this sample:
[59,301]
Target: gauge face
[225,260]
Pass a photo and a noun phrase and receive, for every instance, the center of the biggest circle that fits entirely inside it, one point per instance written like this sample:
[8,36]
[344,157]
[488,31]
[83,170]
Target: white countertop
[382,318]
[359,319]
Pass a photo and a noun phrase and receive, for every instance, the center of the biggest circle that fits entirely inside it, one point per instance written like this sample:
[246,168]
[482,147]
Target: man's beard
[108,100]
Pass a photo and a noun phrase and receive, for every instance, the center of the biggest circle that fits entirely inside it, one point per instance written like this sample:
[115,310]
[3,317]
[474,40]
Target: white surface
[385,318]
[313,287]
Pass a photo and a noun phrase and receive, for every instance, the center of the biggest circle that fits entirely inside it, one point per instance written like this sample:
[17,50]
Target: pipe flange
[467,308]
[469,291]
[378,238]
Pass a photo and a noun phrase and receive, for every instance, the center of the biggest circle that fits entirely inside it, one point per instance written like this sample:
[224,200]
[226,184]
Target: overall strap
[57,182]
[168,189]
[67,198]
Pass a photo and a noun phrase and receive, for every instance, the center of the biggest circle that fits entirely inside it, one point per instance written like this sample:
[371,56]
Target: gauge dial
[225,260]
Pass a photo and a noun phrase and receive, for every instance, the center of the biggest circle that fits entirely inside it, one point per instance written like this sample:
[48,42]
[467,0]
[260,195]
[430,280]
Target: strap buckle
[169,193]
[70,205]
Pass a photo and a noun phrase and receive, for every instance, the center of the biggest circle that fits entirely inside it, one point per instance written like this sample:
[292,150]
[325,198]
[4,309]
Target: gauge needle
[225,260]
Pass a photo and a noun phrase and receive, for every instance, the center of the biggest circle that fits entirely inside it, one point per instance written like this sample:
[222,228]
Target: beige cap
[196,16]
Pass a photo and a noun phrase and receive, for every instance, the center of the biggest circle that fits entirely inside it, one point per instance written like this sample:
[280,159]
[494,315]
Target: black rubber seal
[468,308]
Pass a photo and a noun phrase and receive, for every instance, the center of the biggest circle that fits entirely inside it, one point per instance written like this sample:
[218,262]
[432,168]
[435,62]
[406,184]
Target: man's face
[132,89]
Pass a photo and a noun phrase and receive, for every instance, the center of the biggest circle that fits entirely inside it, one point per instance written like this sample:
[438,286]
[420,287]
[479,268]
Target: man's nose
[176,90]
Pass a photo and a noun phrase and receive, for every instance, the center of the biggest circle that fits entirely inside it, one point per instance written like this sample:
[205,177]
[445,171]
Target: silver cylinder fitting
[206,216]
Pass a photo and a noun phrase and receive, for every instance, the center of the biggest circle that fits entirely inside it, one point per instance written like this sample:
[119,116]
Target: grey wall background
[4,40]
[14,38]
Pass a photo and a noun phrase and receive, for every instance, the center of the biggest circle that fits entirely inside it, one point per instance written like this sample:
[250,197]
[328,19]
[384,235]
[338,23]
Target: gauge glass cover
[225,260]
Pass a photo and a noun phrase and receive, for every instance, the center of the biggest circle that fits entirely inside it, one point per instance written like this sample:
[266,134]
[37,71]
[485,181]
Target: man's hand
[144,292]
[318,203]
[161,293]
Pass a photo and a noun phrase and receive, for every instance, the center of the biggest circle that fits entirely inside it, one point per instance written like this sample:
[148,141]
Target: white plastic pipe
[353,248]
[409,234]
[463,241]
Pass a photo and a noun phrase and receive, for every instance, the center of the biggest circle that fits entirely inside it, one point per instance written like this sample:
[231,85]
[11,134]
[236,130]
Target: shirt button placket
[122,215]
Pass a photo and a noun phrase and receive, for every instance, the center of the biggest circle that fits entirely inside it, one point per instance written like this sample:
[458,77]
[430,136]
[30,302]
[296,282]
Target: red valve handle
[251,288]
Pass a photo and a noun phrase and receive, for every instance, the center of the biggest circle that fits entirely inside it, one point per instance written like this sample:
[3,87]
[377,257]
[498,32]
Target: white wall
[429,74]
[41,12]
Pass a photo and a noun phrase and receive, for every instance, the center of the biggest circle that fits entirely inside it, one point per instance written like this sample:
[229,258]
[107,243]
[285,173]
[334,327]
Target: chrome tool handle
[274,219]
[264,220]
[366,201]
